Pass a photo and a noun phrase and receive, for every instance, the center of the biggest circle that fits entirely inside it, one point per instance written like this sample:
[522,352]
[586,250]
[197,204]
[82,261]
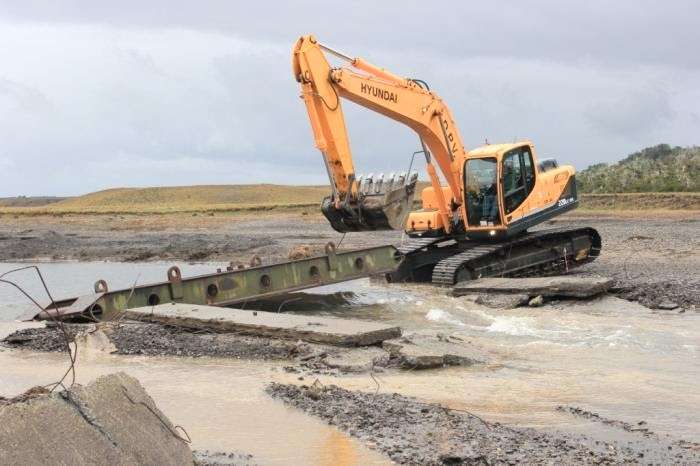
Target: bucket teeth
[371,184]
[389,183]
[401,179]
[382,203]
[367,188]
[378,182]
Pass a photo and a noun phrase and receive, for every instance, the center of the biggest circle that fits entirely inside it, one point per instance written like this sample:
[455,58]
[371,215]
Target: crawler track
[445,261]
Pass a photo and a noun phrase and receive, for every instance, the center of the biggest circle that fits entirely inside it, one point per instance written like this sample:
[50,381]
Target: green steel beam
[235,286]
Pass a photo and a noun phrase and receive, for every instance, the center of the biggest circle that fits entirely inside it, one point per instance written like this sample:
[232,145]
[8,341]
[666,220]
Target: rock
[357,359]
[572,286]
[667,305]
[502,300]
[537,301]
[110,421]
[427,350]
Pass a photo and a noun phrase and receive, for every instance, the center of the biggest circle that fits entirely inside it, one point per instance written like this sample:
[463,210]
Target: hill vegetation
[660,168]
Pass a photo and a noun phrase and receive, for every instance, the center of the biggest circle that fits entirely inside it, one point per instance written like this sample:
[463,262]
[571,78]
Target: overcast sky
[99,94]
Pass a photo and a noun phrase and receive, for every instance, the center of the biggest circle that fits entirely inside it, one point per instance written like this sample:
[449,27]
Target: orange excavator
[476,225]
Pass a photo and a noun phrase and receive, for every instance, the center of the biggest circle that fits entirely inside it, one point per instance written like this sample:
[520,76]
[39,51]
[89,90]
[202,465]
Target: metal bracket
[175,282]
[332,258]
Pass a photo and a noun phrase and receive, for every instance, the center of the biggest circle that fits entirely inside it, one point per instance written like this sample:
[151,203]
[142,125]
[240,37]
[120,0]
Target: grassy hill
[183,199]
[660,168]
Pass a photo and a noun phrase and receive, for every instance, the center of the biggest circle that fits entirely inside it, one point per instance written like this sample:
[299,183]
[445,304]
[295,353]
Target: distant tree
[659,168]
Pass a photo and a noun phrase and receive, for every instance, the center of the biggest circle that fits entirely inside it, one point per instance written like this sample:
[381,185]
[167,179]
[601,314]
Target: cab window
[528,169]
[514,181]
[481,192]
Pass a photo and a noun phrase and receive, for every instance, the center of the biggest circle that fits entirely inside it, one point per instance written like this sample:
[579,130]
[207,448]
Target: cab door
[518,171]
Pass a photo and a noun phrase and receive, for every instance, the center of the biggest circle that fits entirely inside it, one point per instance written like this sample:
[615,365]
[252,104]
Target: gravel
[655,261]
[412,432]
[208,458]
[158,340]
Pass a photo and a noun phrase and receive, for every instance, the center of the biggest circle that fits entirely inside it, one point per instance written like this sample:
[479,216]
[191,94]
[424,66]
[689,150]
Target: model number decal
[565,201]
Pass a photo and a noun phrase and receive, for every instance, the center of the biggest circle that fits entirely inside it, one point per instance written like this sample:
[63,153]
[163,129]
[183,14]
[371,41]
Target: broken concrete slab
[110,421]
[429,350]
[563,286]
[329,330]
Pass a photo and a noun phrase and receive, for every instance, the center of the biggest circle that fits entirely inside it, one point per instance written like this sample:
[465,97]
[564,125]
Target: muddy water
[69,279]
[610,356]
[221,403]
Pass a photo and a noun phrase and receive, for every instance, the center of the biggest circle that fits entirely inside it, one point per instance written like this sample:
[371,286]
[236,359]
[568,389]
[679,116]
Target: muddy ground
[653,256]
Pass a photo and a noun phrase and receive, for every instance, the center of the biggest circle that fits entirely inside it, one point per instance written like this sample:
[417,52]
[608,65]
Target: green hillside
[660,168]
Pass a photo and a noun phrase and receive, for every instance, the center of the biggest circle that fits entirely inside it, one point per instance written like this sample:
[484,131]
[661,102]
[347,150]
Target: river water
[609,356]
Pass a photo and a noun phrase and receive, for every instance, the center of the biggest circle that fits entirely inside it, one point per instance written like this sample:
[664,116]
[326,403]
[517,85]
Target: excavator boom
[371,204]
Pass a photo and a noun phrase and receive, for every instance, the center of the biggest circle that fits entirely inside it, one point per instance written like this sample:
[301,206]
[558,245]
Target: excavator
[477,224]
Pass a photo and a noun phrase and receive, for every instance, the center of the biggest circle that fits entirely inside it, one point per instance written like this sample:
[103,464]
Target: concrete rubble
[523,289]
[430,350]
[328,330]
[112,420]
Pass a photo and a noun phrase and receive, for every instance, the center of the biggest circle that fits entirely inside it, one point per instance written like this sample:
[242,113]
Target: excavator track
[446,260]
[538,253]
[445,270]
[414,245]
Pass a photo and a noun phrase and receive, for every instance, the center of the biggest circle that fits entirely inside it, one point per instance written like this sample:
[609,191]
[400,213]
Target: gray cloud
[103,94]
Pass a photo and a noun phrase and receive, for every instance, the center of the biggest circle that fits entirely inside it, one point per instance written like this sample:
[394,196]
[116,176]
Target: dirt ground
[652,255]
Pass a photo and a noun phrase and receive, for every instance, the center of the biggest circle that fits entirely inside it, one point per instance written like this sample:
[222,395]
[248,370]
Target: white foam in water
[518,326]
[438,315]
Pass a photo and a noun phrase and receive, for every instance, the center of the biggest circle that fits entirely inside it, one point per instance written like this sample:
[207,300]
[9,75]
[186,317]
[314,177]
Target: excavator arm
[401,99]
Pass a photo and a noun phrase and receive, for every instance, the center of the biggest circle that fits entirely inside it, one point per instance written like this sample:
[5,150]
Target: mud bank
[413,432]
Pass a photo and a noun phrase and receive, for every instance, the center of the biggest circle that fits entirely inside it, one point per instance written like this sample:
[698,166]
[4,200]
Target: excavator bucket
[380,204]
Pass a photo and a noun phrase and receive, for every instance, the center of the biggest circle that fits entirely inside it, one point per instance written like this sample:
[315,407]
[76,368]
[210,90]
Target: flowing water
[610,356]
